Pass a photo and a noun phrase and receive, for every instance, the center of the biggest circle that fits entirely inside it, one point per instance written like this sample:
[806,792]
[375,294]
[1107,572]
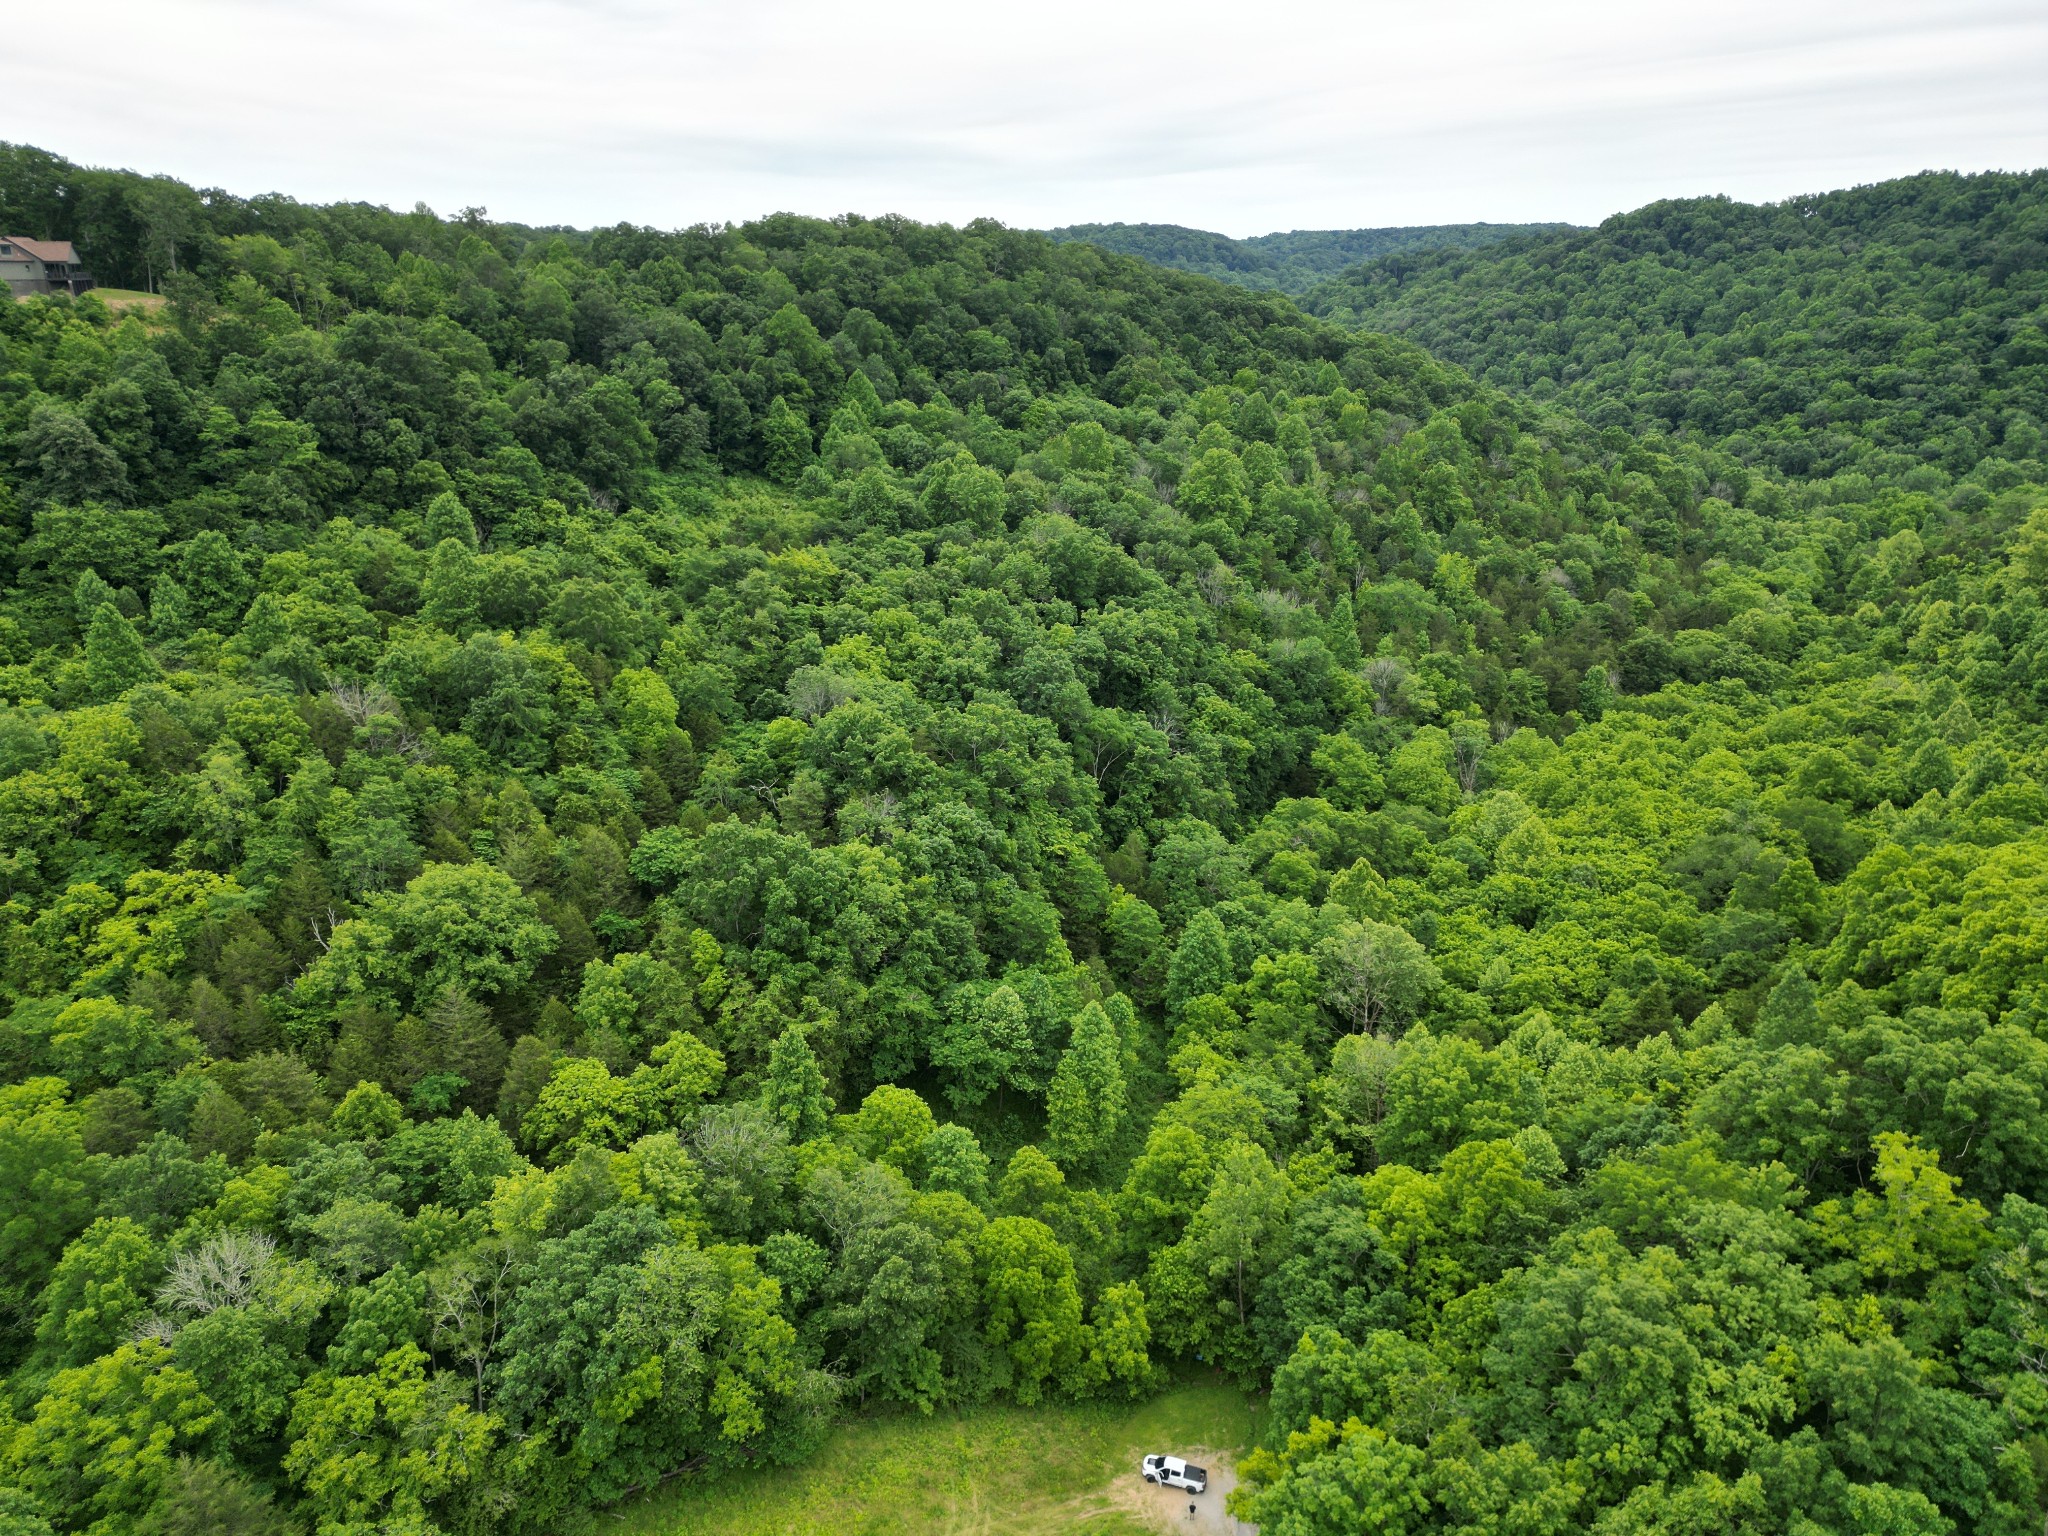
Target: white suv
[1175,1473]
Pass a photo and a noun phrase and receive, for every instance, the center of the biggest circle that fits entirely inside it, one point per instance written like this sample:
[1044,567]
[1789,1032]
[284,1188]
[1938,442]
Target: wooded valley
[619,844]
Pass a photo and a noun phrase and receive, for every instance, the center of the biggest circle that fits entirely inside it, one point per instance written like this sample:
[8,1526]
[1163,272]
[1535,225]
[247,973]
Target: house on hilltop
[41,266]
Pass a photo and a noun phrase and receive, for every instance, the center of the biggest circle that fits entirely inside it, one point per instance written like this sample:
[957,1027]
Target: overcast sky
[1244,118]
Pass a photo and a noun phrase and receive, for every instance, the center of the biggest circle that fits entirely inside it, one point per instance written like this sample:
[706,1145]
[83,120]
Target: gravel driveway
[1168,1507]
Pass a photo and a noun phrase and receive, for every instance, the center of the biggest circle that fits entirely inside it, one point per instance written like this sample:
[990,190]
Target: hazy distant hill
[1878,328]
[1291,262]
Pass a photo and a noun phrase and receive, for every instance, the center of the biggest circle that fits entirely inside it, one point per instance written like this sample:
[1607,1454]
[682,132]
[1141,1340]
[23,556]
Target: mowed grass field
[130,298]
[991,1471]
[118,299]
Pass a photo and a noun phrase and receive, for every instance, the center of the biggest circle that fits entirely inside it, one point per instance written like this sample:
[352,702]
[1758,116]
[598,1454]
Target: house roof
[44,250]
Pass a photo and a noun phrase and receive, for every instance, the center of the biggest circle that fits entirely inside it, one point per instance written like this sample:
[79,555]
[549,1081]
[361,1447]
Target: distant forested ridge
[614,844]
[1896,331]
[1292,262]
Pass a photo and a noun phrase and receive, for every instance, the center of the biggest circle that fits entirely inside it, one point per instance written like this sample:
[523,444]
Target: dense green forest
[615,844]
[1292,262]
[1898,332]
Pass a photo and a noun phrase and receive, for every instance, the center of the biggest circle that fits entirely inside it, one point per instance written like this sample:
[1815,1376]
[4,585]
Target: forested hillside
[1898,332]
[1290,262]
[615,844]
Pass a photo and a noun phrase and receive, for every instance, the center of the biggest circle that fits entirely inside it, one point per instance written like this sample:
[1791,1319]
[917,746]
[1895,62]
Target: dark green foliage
[204,1498]
[1523,937]
[115,658]
[796,1087]
[1293,262]
[1086,1102]
[1890,334]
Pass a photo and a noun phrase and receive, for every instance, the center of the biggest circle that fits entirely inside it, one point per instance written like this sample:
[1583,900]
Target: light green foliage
[100,1290]
[1913,1224]
[1444,1090]
[636,997]
[99,1041]
[1208,1281]
[103,1434]
[454,925]
[115,657]
[1376,975]
[1420,773]
[893,1127]
[955,1163]
[987,1046]
[44,1195]
[583,1105]
[1034,1313]
[19,1515]
[682,1072]
[1331,1479]
[385,1446]
[1521,930]
[1353,776]
[1117,1363]
[1086,1104]
[1202,963]
[366,1113]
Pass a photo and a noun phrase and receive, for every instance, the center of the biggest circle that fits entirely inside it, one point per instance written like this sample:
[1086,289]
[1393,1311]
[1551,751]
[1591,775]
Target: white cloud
[1239,118]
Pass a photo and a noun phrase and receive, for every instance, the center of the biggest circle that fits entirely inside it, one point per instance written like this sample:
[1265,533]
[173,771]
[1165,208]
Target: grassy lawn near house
[990,1471]
[129,298]
[117,299]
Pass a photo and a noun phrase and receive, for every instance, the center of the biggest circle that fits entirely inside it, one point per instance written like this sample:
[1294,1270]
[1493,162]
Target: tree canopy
[614,843]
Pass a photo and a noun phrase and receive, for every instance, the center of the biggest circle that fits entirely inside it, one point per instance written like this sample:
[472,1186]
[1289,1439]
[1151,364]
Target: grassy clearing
[129,298]
[988,1471]
[119,300]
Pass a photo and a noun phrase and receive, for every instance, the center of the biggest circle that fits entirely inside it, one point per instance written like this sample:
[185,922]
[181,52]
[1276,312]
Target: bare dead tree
[227,1270]
[1384,675]
[324,937]
[1102,757]
[469,1306]
[1166,723]
[370,707]
[1217,584]
[1467,753]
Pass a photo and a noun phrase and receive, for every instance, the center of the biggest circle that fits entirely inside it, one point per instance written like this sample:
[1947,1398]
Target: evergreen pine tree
[362,1048]
[859,394]
[115,657]
[796,1087]
[448,518]
[1201,963]
[448,597]
[471,1045]
[1086,1106]
[415,1053]
[527,1071]
[788,439]
[1791,1014]
[170,609]
[219,1124]
[88,594]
